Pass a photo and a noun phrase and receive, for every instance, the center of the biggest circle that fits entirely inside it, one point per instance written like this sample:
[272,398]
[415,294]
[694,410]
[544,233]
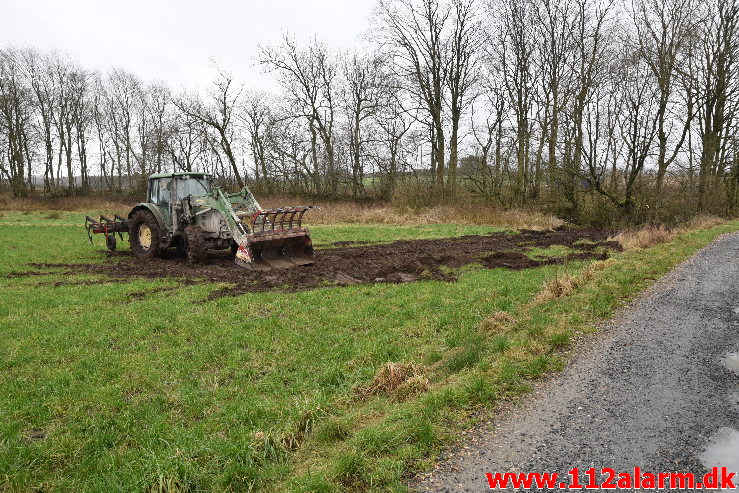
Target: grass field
[101,391]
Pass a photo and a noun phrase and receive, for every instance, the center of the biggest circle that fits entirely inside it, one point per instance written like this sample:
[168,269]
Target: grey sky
[174,41]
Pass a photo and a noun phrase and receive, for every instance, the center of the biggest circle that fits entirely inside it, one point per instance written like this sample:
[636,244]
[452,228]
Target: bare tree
[38,66]
[717,90]
[590,40]
[553,30]
[463,64]
[663,29]
[627,107]
[159,111]
[486,180]
[81,116]
[123,88]
[257,117]
[15,124]
[515,53]
[415,31]
[309,77]
[186,142]
[218,115]
[365,90]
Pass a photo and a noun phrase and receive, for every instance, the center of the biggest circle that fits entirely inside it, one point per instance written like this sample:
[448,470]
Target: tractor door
[160,194]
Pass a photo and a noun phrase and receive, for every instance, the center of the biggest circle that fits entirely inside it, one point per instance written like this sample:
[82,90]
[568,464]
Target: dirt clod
[35,434]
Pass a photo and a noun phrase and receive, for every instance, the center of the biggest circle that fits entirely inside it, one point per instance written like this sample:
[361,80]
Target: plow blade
[277,241]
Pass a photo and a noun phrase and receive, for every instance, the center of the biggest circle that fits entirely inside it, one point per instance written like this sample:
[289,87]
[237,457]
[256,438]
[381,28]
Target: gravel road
[658,389]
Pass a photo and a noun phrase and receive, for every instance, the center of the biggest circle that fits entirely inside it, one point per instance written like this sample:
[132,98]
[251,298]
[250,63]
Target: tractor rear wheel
[196,248]
[143,235]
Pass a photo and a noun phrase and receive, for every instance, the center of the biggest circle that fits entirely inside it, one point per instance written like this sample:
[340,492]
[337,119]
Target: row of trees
[512,101]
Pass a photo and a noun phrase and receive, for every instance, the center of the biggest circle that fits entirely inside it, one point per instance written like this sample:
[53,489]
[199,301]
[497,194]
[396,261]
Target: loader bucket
[277,241]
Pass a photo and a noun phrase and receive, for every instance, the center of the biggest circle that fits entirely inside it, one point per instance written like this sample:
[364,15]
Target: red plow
[108,227]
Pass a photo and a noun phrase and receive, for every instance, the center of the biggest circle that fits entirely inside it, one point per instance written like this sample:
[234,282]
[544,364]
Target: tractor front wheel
[143,235]
[195,245]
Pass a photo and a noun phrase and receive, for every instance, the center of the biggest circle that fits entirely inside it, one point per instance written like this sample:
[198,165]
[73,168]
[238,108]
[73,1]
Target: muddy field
[402,261]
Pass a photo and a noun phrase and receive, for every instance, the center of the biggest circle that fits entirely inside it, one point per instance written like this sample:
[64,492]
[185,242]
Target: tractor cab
[165,189]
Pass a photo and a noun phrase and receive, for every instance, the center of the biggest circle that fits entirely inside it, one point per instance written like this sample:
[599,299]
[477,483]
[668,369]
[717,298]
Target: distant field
[144,384]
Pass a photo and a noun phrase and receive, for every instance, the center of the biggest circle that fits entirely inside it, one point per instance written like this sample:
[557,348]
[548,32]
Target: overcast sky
[174,41]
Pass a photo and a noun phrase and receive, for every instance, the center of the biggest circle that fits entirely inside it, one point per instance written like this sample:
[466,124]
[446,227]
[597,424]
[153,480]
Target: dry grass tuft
[601,264]
[704,221]
[498,322]
[412,387]
[649,236]
[557,288]
[643,238]
[275,445]
[589,272]
[400,380]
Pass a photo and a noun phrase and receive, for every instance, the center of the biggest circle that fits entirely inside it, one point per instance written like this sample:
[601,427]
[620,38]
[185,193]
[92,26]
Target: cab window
[153,191]
[165,190]
[193,185]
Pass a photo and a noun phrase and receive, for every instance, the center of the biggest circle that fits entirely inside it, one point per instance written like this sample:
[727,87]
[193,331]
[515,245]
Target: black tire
[110,242]
[140,220]
[180,245]
[234,248]
[196,247]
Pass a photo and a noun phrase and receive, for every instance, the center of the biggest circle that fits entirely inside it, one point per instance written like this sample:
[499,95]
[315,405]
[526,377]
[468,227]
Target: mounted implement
[185,210]
[108,227]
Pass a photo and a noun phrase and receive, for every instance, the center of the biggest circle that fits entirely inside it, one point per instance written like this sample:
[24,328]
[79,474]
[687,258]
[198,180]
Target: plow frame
[108,227]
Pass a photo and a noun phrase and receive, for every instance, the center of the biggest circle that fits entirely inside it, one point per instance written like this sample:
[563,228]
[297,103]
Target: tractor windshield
[193,185]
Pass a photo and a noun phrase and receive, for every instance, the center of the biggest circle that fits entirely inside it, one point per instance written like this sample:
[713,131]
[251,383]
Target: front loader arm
[238,232]
[273,238]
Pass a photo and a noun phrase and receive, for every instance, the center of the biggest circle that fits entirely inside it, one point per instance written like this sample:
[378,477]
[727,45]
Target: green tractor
[188,212]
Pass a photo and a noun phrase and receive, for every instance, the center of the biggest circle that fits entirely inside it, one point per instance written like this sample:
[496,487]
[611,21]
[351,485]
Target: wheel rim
[145,237]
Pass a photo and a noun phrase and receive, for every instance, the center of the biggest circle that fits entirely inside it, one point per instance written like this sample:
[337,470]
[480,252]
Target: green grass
[552,251]
[99,392]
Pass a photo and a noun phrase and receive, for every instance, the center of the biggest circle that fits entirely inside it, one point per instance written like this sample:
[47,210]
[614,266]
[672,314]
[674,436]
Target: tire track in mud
[398,262]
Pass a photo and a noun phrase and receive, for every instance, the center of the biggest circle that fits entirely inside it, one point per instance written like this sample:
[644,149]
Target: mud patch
[398,262]
[34,434]
[521,261]
[140,295]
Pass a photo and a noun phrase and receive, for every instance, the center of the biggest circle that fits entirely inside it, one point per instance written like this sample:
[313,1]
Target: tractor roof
[179,173]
